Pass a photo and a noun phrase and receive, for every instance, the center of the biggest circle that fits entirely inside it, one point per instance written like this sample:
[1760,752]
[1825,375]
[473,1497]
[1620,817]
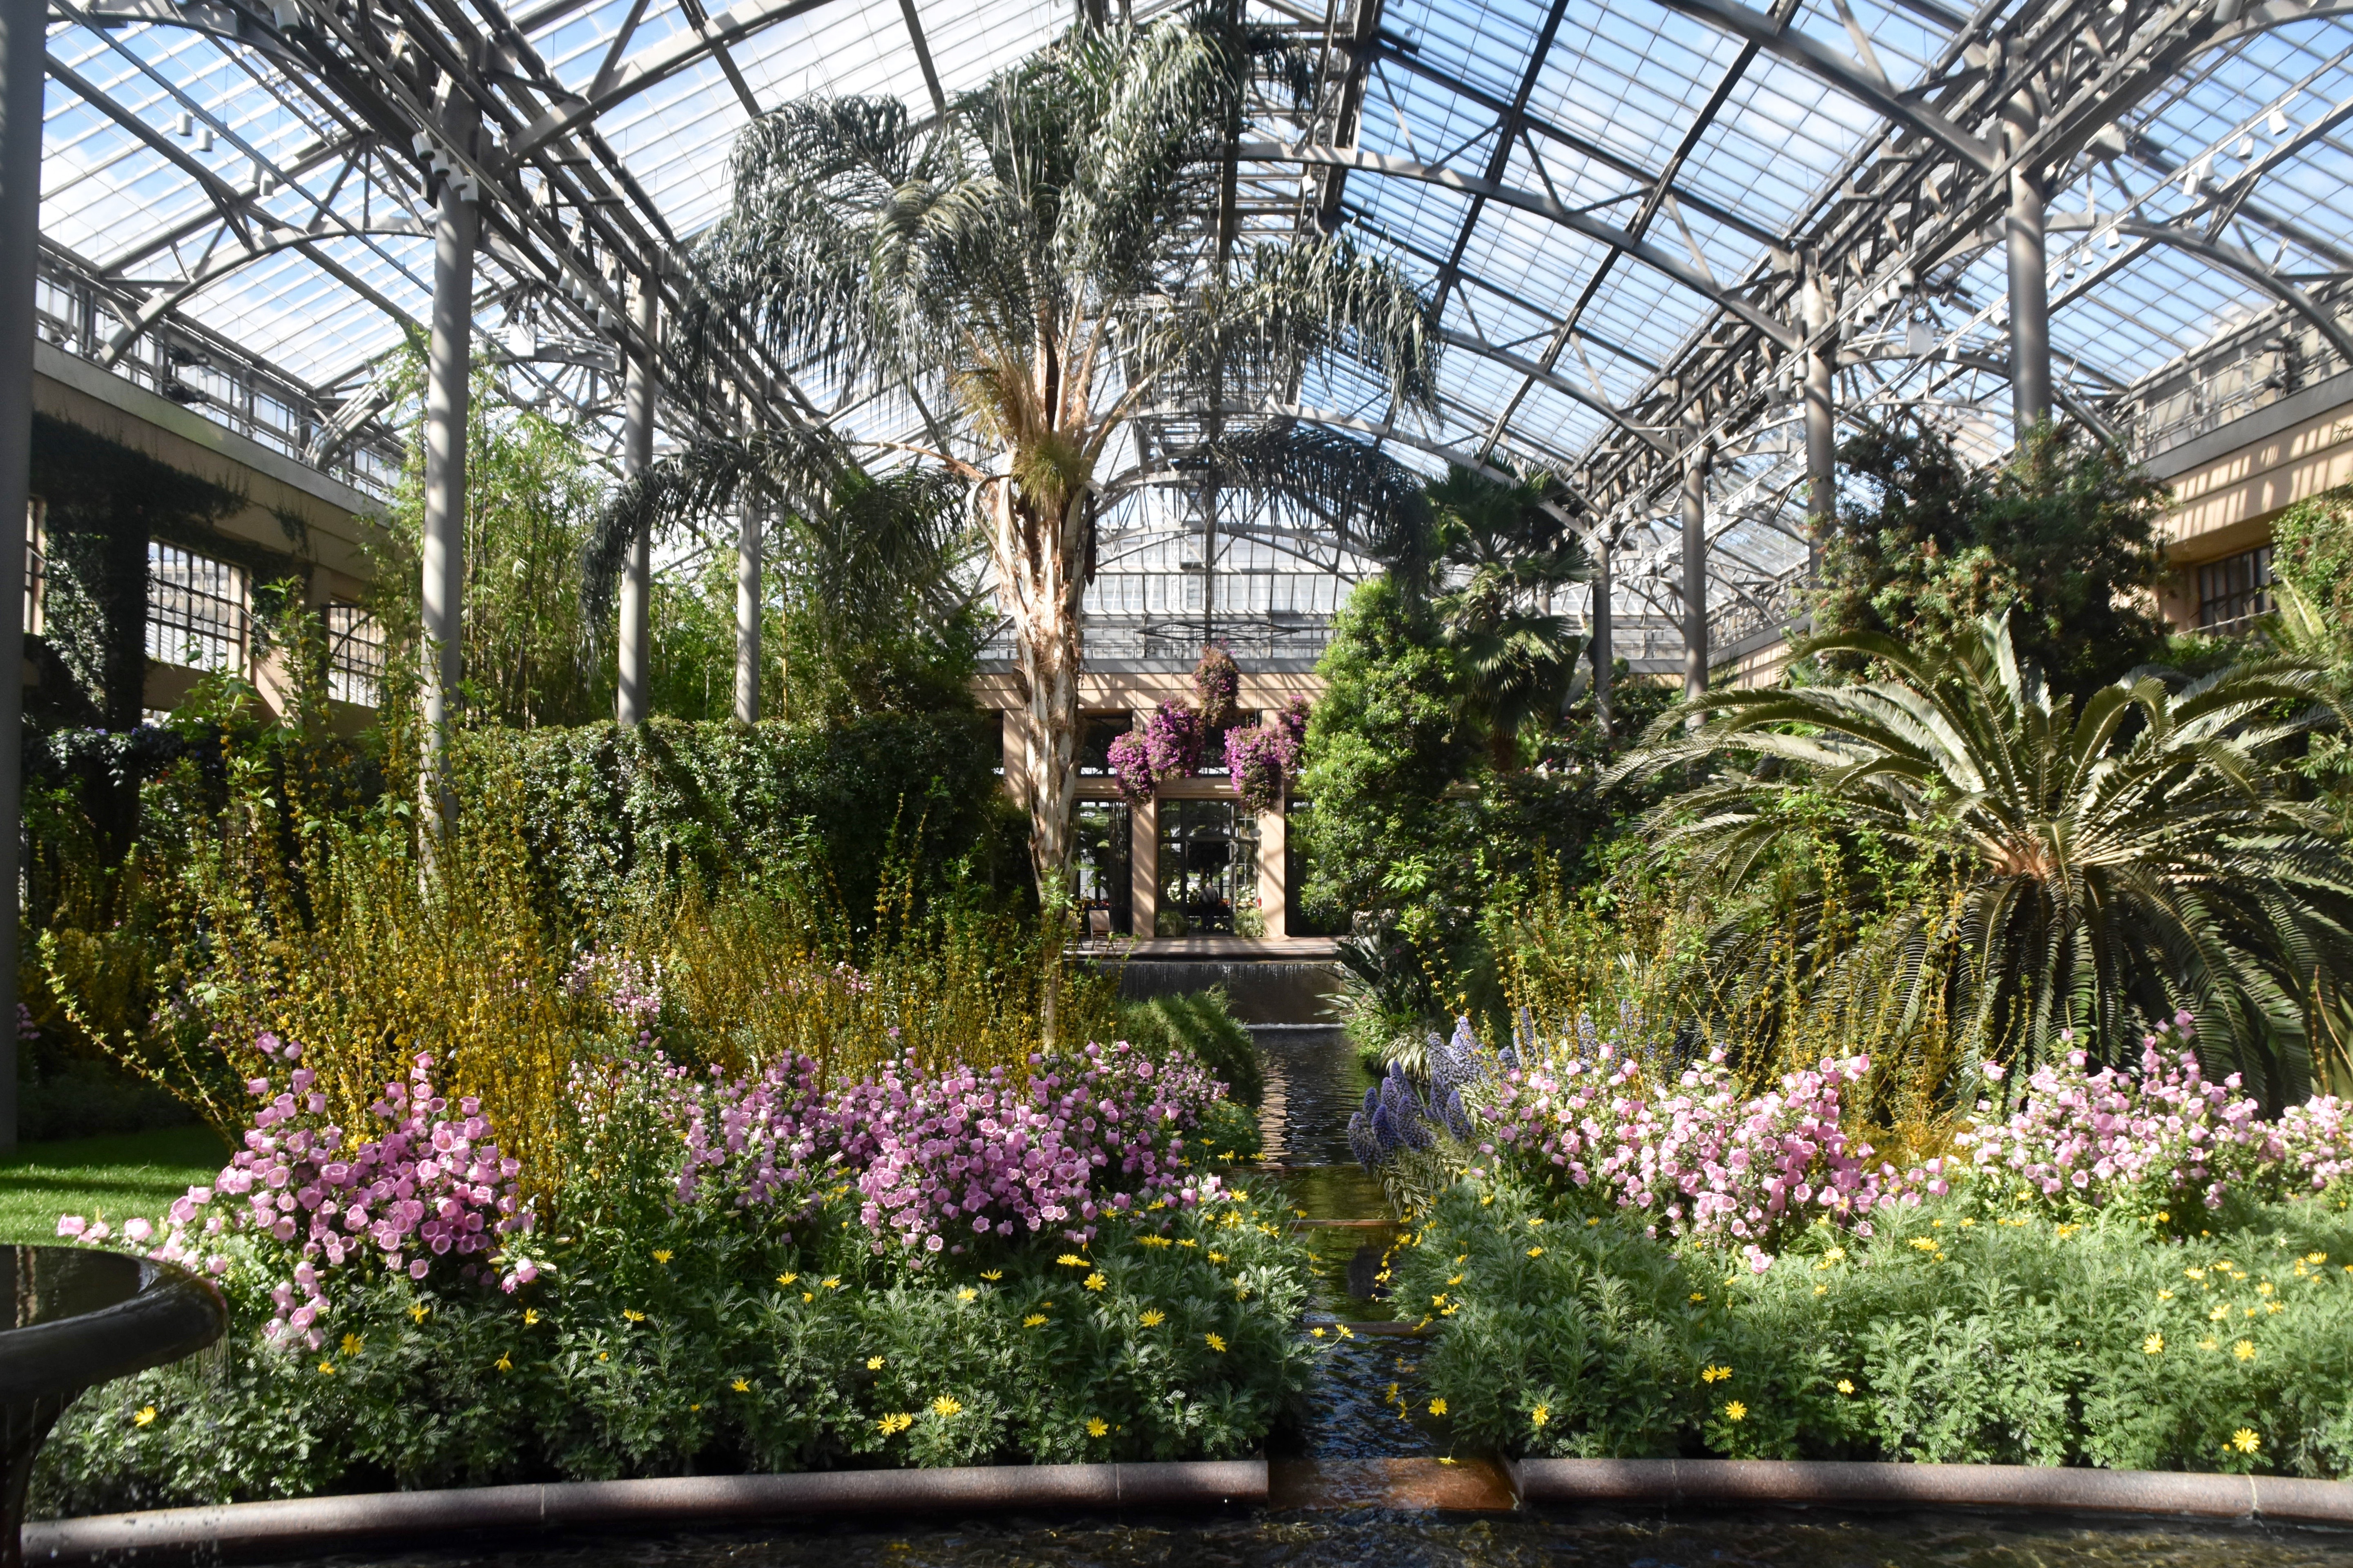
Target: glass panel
[1213,744]
[354,655]
[1096,732]
[1105,891]
[1209,868]
[195,609]
[2235,590]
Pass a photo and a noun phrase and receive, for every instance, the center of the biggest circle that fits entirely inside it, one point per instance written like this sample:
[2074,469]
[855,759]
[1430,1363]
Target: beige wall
[2227,500]
[332,518]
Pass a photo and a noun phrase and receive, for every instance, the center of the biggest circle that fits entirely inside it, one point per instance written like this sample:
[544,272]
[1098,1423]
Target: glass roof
[1608,197]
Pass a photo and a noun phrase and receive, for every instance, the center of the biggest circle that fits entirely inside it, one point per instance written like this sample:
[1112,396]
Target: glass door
[1106,893]
[1209,868]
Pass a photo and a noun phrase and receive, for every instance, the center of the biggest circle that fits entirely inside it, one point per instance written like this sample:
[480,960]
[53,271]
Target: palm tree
[1031,268]
[2114,864]
[1496,555]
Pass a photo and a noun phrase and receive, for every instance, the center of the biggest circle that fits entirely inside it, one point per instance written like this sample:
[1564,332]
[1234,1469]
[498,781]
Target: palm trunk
[1041,567]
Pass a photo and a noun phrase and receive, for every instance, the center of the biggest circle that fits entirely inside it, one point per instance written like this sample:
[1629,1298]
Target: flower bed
[1940,1337]
[913,1270]
[2128,1270]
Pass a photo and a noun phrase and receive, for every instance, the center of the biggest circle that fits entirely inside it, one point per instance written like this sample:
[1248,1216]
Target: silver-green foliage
[1024,266]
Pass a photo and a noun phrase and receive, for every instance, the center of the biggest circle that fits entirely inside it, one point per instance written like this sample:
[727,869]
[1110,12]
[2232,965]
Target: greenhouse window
[2234,590]
[354,655]
[198,609]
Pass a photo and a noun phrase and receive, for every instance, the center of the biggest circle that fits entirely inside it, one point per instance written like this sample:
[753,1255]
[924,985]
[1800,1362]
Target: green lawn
[133,1173]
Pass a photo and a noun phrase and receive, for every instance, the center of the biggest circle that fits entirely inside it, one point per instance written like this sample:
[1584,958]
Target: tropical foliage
[1024,268]
[2107,862]
[2061,536]
[1493,563]
[534,651]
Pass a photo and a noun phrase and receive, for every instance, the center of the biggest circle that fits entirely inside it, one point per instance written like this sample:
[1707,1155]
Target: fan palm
[1032,268]
[1496,554]
[2115,864]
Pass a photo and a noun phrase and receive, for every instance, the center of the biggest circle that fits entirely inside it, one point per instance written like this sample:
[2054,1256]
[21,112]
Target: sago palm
[2112,864]
[1035,268]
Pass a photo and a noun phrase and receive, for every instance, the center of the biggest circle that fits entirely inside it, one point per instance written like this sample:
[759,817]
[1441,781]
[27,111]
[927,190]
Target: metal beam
[655,65]
[23,25]
[1608,158]
[1541,205]
[1853,78]
[2230,258]
[165,301]
[924,58]
[1507,130]
[1535,374]
[448,372]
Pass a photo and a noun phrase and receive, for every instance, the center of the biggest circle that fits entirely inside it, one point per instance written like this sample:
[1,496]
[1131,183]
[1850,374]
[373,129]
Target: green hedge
[607,811]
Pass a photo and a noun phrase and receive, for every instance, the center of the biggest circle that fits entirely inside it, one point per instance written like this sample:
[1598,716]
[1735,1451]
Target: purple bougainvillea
[1262,760]
[1172,740]
[1131,767]
[1217,685]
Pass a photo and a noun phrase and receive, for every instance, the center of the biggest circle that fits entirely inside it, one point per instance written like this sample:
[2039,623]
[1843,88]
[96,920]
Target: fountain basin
[80,1318]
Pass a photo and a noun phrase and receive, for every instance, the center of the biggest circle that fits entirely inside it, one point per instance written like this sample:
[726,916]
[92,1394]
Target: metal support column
[24,24]
[630,703]
[1819,372]
[1696,463]
[748,611]
[1604,648]
[449,364]
[2030,283]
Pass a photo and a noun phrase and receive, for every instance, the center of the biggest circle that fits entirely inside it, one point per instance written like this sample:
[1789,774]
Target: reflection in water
[1402,1540]
[1313,1080]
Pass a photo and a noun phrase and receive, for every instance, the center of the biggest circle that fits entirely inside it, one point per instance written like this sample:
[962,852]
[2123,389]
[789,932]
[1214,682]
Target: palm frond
[1304,304]
[700,483]
[2119,861]
[1316,478]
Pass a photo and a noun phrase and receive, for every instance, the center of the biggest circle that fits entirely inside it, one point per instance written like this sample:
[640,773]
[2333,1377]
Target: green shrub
[609,813]
[1940,1337]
